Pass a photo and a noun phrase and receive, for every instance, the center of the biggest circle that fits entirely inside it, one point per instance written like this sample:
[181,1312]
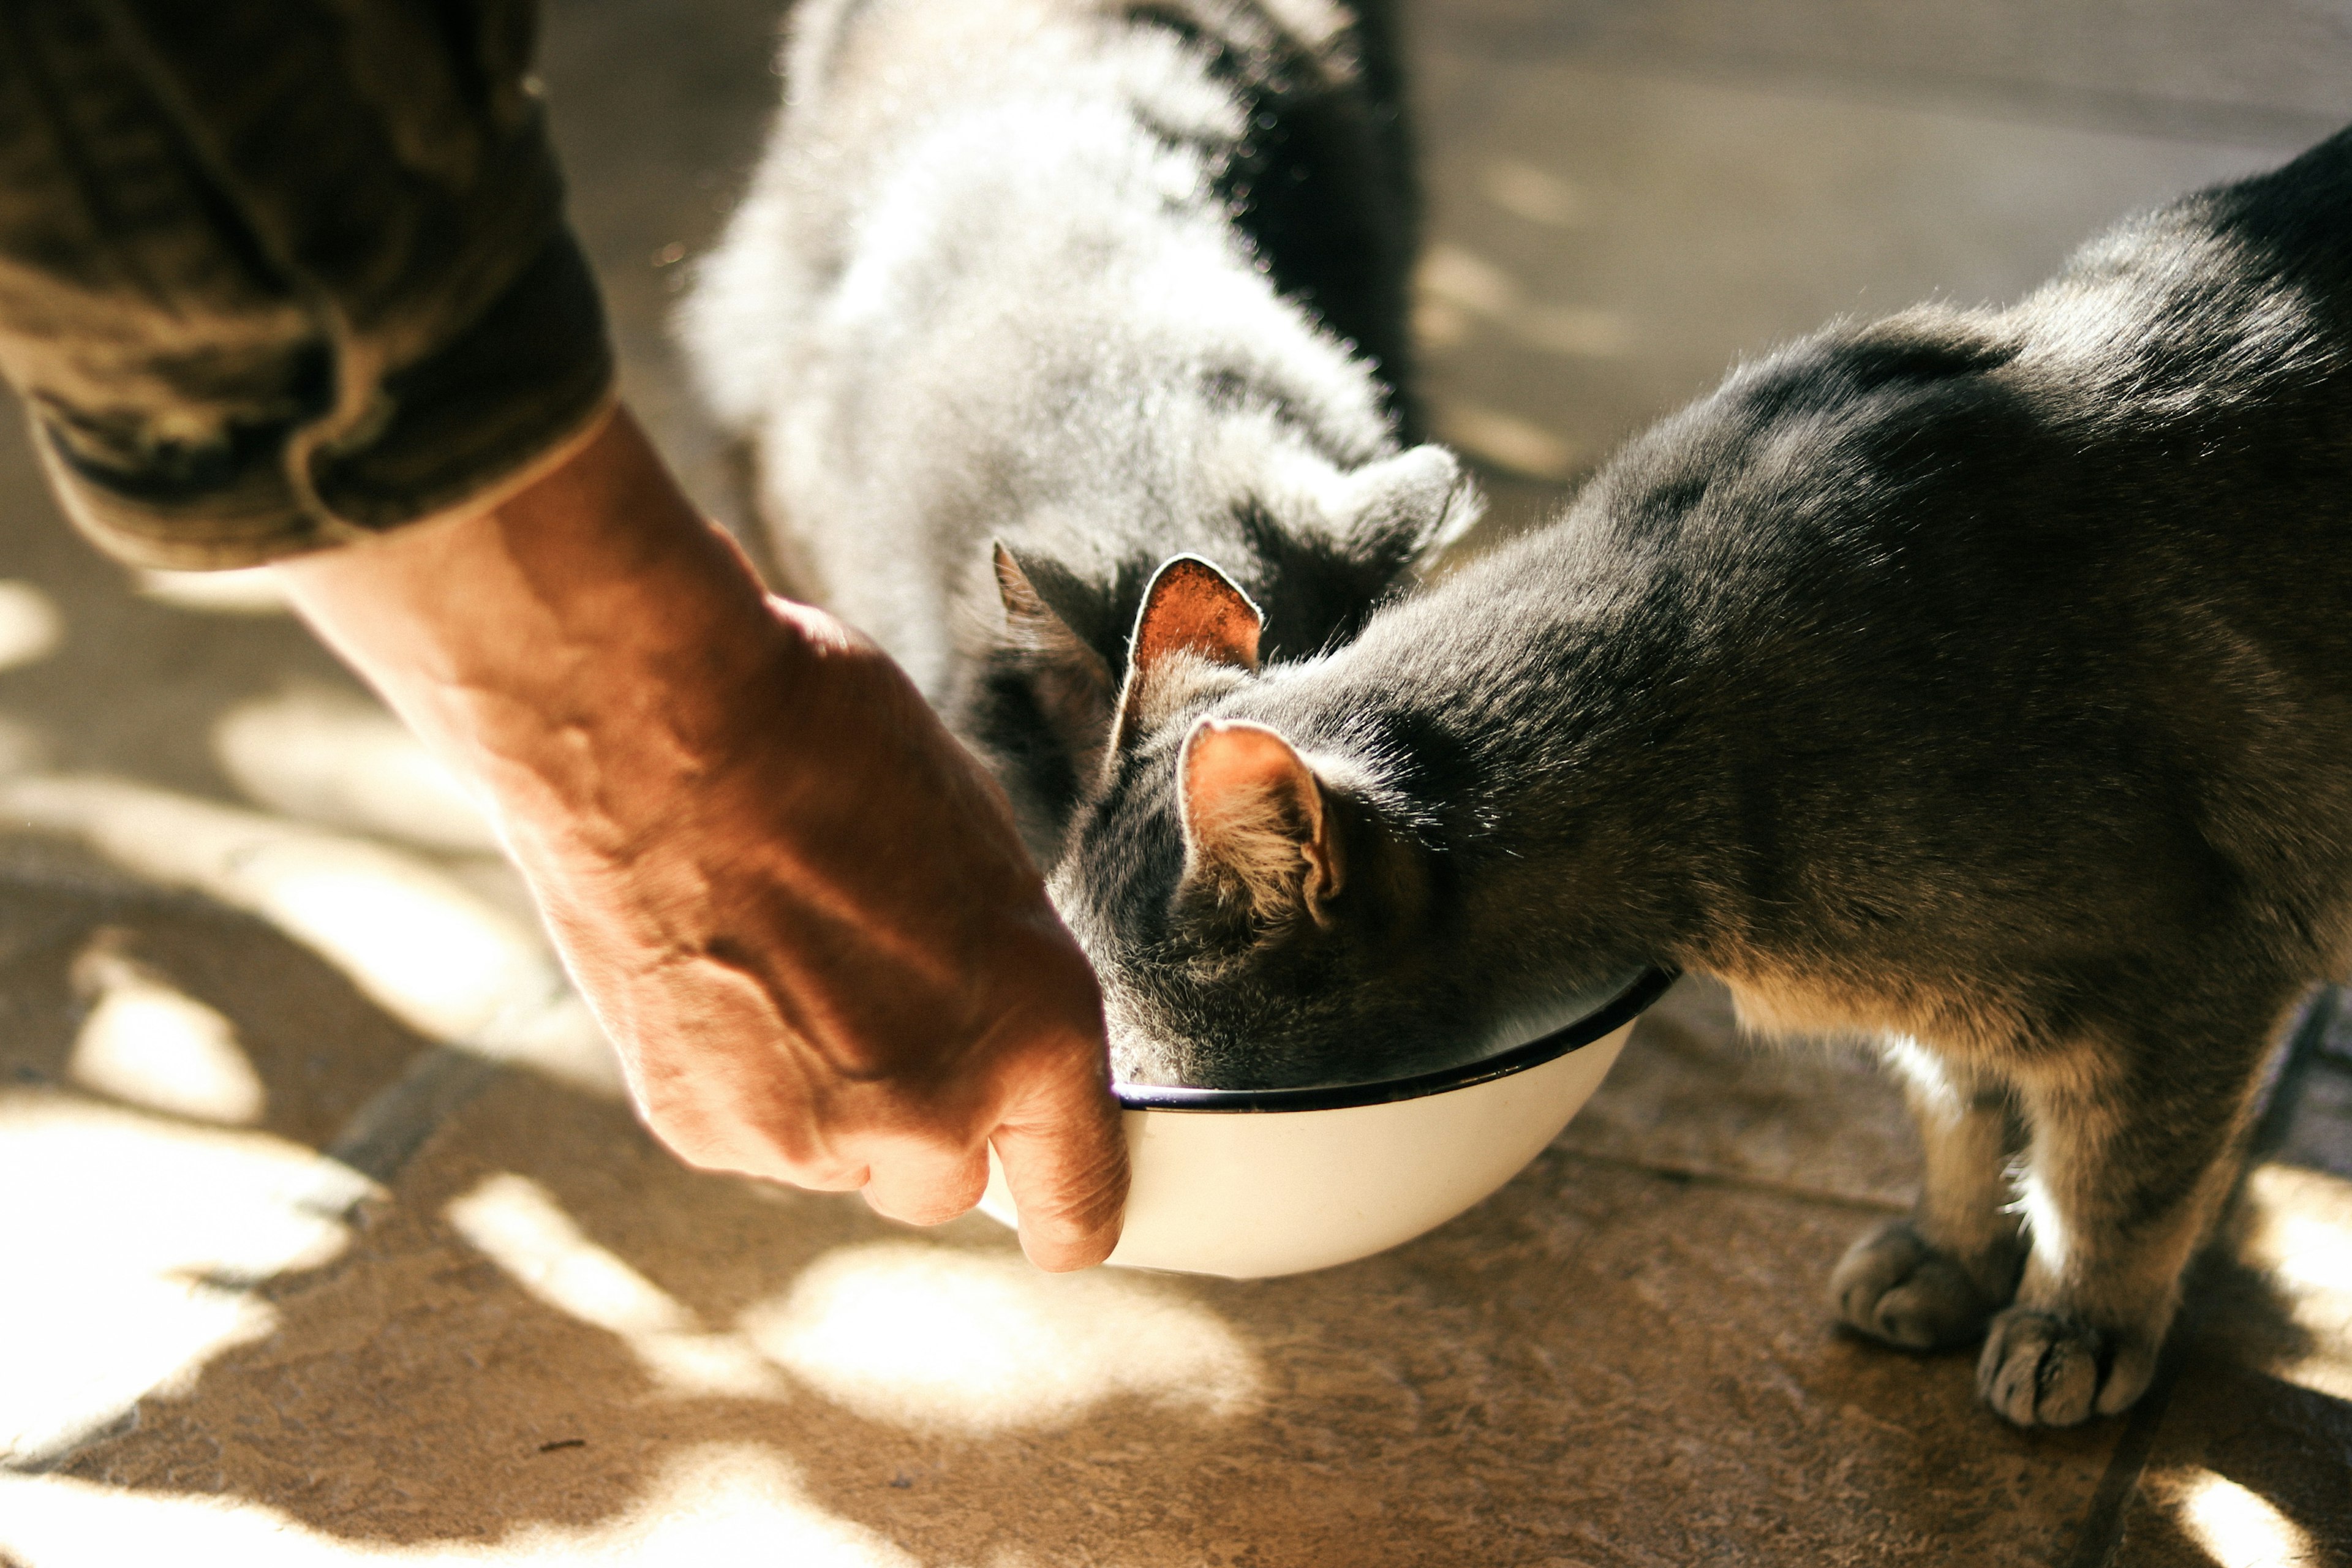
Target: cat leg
[1936,1278]
[2133,1149]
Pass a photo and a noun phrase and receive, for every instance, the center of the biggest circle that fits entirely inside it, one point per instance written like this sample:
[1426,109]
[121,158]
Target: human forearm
[802,912]
[578,650]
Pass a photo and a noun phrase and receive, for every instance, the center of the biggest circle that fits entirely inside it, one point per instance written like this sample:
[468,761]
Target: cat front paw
[1893,1285]
[2041,1368]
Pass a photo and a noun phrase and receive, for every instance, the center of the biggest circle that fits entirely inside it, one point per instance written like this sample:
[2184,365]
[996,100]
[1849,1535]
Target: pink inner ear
[1244,778]
[1192,607]
[1254,813]
[1247,760]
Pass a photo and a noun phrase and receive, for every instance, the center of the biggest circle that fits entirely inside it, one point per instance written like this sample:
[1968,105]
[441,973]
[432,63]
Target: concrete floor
[328,1239]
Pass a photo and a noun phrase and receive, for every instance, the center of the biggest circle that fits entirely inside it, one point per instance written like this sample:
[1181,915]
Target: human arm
[288,279]
[800,908]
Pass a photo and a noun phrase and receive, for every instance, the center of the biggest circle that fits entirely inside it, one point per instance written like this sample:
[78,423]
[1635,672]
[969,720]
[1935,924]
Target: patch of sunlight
[515,1223]
[2237,1527]
[126,1237]
[1458,276]
[1525,191]
[419,944]
[1453,285]
[935,1337]
[1440,324]
[715,1505]
[145,1041]
[30,627]
[413,941]
[247,591]
[340,761]
[1508,440]
[2313,1253]
[2298,1229]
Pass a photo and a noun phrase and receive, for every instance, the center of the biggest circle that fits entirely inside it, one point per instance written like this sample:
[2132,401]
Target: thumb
[1065,1157]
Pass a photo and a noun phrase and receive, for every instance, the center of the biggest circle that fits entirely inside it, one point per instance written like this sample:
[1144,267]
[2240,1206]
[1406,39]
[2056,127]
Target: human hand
[800,908]
[831,963]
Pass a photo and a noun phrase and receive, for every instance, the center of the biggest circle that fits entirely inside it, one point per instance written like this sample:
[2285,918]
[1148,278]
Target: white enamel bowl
[1251,1183]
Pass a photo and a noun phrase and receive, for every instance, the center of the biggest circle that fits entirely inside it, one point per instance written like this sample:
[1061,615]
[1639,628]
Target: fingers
[751,1152]
[1065,1155]
[926,1184]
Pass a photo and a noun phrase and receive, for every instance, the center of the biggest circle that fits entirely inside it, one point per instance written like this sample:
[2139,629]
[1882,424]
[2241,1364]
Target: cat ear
[1408,508]
[1258,830]
[1192,617]
[1045,616]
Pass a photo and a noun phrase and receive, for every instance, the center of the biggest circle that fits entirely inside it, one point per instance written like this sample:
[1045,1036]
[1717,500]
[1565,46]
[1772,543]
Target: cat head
[1310,548]
[1259,912]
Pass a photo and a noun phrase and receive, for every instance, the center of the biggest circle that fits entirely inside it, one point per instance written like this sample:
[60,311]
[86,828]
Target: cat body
[1029,296]
[1976,682]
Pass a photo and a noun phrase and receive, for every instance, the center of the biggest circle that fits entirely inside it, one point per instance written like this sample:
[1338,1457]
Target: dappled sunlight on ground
[515,1223]
[328,757]
[147,1042]
[1452,280]
[422,945]
[713,1506]
[30,625]
[2298,1235]
[2235,1526]
[417,942]
[128,1240]
[915,1335]
[937,1337]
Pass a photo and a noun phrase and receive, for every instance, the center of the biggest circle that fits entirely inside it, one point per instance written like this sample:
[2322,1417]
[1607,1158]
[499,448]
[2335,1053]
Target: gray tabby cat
[1030,296]
[1980,681]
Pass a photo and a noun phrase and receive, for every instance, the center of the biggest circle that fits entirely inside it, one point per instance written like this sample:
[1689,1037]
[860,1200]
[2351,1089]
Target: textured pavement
[328,1240]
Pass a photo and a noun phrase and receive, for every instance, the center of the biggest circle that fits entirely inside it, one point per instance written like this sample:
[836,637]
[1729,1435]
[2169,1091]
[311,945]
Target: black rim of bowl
[1600,1024]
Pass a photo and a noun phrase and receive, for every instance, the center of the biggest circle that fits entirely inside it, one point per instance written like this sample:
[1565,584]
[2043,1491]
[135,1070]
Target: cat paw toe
[1894,1285]
[2045,1369]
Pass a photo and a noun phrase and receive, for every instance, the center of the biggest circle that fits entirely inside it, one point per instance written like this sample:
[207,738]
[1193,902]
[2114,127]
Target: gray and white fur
[1980,681]
[1099,282]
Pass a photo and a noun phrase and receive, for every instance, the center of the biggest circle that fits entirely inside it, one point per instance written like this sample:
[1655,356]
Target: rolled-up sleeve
[279,274]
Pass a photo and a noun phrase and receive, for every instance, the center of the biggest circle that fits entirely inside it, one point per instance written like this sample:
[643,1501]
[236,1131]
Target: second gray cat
[1977,681]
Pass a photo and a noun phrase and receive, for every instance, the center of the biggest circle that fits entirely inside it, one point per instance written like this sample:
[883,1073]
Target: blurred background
[326,1237]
